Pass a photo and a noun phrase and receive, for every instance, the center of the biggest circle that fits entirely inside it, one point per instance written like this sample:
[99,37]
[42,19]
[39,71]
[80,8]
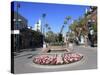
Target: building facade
[23,37]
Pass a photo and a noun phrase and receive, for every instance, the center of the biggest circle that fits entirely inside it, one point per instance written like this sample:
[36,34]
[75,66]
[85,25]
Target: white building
[37,26]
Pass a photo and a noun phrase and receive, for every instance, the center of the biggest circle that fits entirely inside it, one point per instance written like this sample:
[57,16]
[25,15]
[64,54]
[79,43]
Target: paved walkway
[23,64]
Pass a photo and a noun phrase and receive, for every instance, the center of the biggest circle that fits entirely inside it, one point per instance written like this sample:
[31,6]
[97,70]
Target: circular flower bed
[57,58]
[73,57]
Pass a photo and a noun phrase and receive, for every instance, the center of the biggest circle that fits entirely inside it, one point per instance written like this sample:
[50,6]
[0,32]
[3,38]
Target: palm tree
[46,27]
[43,24]
[49,28]
[65,22]
[43,15]
[67,18]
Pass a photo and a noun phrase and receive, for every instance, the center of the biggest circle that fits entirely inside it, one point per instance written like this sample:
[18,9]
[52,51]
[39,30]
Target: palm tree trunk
[86,40]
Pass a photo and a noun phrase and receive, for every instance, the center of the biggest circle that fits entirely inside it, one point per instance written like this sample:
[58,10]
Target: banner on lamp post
[15,32]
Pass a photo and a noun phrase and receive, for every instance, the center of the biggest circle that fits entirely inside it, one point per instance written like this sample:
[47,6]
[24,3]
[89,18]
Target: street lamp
[16,32]
[18,20]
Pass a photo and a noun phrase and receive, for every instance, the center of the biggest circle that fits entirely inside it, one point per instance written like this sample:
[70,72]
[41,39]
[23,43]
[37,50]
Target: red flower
[57,59]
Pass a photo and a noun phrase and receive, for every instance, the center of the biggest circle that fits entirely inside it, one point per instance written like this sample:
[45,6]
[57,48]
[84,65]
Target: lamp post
[17,21]
[16,32]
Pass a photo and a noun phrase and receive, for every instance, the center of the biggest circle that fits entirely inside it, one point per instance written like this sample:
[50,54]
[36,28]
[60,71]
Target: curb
[59,66]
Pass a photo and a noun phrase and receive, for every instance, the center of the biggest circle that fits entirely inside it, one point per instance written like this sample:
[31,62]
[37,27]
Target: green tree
[49,28]
[68,18]
[74,27]
[50,37]
[94,26]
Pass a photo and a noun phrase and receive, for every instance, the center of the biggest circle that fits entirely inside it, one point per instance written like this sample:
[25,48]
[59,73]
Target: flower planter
[57,59]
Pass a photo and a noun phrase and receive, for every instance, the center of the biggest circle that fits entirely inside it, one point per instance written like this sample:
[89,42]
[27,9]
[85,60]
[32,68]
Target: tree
[43,15]
[46,27]
[94,26]
[67,18]
[51,37]
[74,28]
[93,8]
[49,28]
[80,28]
[43,18]
[84,28]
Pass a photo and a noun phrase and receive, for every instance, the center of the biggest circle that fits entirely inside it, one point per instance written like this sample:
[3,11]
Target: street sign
[15,31]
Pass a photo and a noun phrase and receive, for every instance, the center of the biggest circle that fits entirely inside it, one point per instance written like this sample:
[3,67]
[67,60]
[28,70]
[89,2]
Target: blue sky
[55,13]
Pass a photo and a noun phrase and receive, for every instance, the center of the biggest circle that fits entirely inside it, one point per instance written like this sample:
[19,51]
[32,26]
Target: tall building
[37,26]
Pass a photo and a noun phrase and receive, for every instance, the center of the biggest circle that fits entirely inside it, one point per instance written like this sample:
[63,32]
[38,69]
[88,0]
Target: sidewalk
[23,64]
[29,52]
[88,47]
